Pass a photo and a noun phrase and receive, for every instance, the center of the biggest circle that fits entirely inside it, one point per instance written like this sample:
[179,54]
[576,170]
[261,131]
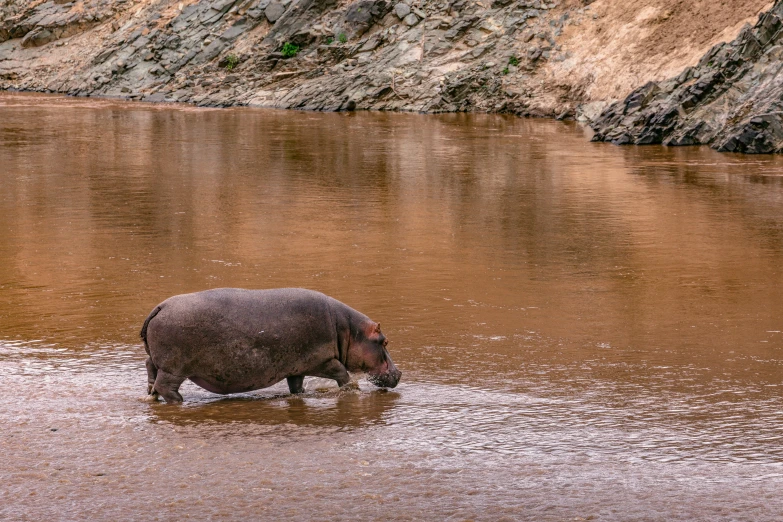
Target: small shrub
[505,71]
[342,38]
[289,50]
[513,61]
[231,61]
[329,41]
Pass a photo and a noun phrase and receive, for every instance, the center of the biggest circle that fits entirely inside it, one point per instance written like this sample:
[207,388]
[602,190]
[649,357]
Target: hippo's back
[244,339]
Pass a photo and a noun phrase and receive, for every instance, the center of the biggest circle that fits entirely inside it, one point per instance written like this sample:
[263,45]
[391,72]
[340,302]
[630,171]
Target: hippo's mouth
[385,380]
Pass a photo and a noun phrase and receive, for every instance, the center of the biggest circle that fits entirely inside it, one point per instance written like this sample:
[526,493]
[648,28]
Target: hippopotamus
[231,340]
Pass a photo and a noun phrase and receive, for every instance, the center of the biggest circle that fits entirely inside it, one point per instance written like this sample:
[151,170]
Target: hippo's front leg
[333,369]
[296,383]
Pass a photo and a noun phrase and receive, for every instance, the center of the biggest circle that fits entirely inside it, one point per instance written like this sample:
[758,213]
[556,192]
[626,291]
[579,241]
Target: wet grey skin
[230,340]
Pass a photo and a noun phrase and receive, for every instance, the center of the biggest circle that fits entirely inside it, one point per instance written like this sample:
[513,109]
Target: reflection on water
[337,410]
[585,330]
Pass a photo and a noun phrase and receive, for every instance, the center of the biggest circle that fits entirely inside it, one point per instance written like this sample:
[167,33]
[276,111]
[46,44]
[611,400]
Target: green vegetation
[513,61]
[289,50]
[342,38]
[505,71]
[329,41]
[231,61]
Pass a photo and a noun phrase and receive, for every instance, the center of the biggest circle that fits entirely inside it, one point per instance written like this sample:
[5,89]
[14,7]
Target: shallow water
[584,330]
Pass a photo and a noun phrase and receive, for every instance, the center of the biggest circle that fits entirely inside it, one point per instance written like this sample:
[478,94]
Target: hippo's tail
[144,328]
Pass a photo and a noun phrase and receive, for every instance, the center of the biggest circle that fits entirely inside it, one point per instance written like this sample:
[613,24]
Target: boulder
[360,16]
[411,20]
[402,10]
[274,11]
[257,10]
[38,37]
[235,31]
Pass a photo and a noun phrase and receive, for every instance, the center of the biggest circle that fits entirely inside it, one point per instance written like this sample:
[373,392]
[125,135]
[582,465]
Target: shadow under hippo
[331,409]
[230,340]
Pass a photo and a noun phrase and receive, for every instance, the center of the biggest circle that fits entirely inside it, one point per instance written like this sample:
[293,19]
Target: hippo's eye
[385,342]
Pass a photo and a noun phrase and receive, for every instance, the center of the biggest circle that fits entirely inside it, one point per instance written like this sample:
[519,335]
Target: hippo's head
[368,354]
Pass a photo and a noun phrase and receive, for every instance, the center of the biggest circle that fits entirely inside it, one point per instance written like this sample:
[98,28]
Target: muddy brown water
[585,331]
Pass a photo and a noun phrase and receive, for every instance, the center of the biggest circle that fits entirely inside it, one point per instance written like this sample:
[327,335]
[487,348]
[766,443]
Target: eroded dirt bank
[529,57]
[732,99]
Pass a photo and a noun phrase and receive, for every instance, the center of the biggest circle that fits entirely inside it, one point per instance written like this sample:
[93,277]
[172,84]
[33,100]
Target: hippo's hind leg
[167,385]
[152,373]
[296,383]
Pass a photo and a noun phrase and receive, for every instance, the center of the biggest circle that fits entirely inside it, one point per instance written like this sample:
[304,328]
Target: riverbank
[549,58]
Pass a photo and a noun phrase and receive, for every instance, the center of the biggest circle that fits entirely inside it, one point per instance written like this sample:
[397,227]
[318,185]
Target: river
[586,332]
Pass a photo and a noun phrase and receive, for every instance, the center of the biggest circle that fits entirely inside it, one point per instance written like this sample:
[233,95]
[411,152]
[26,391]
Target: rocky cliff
[311,54]
[732,99]
[528,57]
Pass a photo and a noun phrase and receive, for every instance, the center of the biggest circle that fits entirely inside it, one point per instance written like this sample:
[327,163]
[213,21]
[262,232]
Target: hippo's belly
[225,388]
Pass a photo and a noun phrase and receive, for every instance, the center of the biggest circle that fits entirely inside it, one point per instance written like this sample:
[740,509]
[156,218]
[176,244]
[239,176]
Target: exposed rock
[732,99]
[402,10]
[411,20]
[45,22]
[354,55]
[274,11]
[37,37]
[362,15]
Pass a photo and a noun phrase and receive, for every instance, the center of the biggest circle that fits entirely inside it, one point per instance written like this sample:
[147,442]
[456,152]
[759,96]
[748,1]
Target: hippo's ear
[372,329]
